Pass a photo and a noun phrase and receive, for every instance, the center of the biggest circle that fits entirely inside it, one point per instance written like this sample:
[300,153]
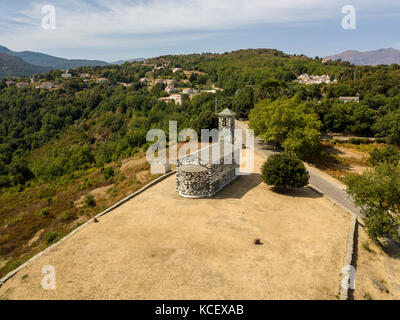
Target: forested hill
[57,132]
[30,117]
[15,66]
[49,62]
[253,66]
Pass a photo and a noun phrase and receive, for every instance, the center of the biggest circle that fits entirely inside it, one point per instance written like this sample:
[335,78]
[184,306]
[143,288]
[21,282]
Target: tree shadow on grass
[391,248]
[238,188]
[306,192]
[243,184]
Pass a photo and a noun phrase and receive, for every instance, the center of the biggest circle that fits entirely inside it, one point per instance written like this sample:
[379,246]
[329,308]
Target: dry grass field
[378,270]
[161,246]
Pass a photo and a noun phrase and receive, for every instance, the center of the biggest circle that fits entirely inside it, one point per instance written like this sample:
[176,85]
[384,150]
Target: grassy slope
[23,226]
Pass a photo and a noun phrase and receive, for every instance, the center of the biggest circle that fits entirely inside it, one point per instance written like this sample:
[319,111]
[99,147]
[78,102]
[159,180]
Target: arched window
[224,122]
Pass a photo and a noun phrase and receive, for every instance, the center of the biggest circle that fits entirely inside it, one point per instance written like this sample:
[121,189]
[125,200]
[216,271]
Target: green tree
[285,170]
[90,201]
[388,127]
[108,172]
[377,192]
[20,174]
[205,120]
[288,122]
[244,102]
[388,154]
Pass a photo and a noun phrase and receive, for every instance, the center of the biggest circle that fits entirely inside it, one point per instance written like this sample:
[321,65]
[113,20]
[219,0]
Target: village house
[177,98]
[169,82]
[21,85]
[174,70]
[158,68]
[10,83]
[66,75]
[165,99]
[85,75]
[310,79]
[144,80]
[349,99]
[126,85]
[101,80]
[169,89]
[188,91]
[47,85]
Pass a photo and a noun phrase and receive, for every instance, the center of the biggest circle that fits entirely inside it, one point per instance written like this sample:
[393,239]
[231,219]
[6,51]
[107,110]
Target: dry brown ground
[161,246]
[379,264]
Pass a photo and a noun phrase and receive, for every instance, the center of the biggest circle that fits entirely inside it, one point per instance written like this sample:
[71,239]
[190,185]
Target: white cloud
[109,23]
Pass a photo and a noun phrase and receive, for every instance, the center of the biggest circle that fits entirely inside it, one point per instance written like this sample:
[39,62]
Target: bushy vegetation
[285,170]
[52,237]
[388,154]
[90,201]
[377,192]
[290,123]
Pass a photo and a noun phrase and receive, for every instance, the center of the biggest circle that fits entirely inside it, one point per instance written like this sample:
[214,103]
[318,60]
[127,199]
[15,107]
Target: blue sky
[122,29]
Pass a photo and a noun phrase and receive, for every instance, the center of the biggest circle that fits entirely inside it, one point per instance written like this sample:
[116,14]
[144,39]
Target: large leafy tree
[244,102]
[205,120]
[377,192]
[291,123]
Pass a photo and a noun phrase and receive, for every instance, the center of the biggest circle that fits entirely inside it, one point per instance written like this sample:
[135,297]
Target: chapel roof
[227,113]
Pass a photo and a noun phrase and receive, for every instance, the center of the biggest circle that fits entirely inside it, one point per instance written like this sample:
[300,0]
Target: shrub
[14,265]
[44,212]
[67,216]
[90,201]
[20,174]
[4,182]
[51,237]
[358,141]
[285,170]
[108,173]
[389,154]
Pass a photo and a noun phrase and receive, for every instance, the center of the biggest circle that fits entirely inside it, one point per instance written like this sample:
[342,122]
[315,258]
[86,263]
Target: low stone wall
[348,272]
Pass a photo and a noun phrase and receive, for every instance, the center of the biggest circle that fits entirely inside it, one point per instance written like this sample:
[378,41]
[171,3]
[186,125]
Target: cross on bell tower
[226,121]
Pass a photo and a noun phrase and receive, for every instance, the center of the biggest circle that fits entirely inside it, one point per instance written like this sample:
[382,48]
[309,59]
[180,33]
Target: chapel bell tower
[226,126]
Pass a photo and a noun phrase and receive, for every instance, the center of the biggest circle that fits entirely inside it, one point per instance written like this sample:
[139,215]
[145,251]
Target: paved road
[319,180]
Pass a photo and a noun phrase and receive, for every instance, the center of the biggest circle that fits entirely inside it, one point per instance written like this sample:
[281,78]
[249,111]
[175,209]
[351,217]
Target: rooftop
[192,168]
[227,112]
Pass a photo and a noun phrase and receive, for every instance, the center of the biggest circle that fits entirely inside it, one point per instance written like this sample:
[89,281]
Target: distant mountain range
[27,63]
[372,58]
[15,66]
[45,60]
[119,62]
